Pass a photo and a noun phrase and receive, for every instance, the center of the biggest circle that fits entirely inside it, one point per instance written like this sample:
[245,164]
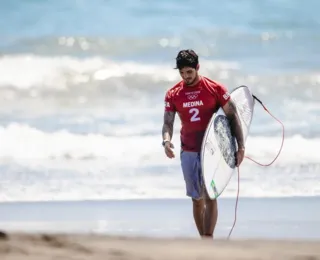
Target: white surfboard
[219,147]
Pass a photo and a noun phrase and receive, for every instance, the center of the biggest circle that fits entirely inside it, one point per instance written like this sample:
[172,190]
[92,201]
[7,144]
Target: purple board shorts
[191,168]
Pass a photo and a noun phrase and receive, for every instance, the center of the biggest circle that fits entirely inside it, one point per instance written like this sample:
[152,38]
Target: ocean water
[82,86]
[257,218]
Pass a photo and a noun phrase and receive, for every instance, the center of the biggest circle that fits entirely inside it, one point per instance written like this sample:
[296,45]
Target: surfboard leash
[264,107]
[261,164]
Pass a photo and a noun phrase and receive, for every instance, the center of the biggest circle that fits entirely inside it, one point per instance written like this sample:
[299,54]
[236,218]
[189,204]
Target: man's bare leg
[198,214]
[210,217]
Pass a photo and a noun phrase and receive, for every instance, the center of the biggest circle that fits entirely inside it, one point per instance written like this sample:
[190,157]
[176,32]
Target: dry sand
[44,246]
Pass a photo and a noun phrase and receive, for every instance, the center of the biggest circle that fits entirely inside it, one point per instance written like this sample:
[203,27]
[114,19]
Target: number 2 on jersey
[195,114]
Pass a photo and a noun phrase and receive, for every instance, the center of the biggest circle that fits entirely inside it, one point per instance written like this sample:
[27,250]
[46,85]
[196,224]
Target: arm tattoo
[167,129]
[236,129]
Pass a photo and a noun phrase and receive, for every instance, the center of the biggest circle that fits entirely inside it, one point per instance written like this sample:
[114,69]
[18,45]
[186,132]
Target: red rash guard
[195,106]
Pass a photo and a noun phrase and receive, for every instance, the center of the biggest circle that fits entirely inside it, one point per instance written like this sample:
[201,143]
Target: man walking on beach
[196,98]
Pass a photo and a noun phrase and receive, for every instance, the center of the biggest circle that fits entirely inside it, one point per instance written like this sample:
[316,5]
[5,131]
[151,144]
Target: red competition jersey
[195,106]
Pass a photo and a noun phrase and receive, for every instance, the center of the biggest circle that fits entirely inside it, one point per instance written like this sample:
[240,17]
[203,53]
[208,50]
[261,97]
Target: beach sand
[88,246]
[159,229]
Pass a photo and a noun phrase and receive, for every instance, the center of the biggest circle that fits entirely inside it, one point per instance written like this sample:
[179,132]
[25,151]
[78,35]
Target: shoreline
[153,199]
[93,246]
[256,218]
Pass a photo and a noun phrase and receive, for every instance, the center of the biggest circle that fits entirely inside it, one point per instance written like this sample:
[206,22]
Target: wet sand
[75,246]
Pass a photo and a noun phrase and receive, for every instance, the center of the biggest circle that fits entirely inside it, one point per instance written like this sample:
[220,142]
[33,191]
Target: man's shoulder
[218,89]
[210,82]
[174,89]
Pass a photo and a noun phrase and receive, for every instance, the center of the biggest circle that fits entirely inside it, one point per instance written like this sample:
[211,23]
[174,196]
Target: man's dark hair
[187,58]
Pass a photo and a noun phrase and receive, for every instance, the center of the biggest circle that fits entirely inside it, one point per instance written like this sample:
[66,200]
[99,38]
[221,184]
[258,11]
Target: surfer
[196,98]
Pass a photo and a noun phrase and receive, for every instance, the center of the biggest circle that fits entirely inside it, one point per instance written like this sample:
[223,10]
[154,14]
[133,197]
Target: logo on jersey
[166,104]
[192,95]
[226,95]
[193,104]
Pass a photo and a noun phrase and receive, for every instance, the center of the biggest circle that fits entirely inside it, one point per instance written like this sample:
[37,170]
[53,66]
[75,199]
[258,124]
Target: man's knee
[198,203]
[211,203]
